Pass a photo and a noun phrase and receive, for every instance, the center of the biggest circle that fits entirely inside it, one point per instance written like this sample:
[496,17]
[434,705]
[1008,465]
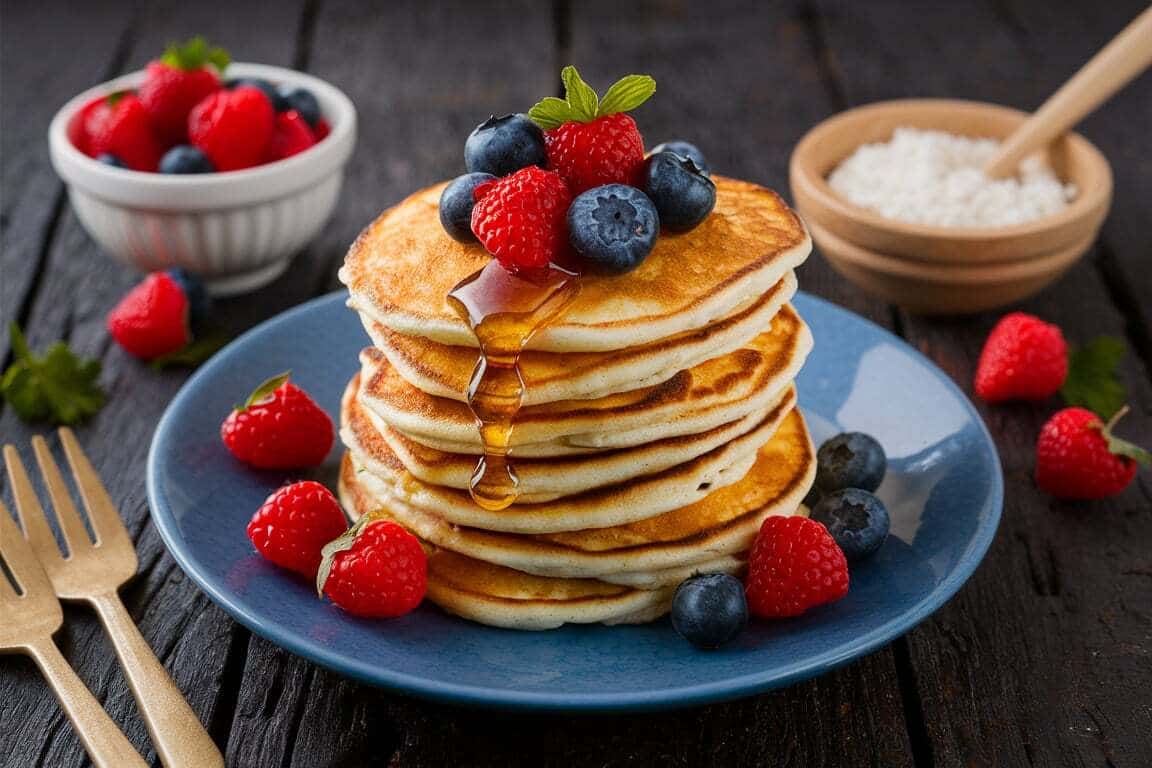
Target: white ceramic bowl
[236,230]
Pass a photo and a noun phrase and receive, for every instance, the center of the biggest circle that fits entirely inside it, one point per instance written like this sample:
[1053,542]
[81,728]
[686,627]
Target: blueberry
[682,194]
[185,159]
[109,159]
[710,609]
[685,150]
[504,145]
[857,520]
[456,205]
[613,228]
[303,101]
[199,302]
[850,460]
[279,103]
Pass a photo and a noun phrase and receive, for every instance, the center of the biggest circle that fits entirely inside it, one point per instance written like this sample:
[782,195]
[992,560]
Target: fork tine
[20,559]
[67,516]
[32,519]
[102,513]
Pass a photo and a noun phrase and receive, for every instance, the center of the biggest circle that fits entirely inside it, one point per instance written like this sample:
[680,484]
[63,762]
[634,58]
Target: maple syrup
[504,311]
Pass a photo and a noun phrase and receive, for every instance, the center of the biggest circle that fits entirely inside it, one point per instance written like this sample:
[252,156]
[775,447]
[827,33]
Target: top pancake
[402,267]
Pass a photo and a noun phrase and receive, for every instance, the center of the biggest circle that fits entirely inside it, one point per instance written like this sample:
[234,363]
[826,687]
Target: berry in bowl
[224,170]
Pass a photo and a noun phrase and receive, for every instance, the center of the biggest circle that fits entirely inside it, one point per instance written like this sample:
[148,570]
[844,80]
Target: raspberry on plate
[1024,358]
[153,318]
[376,570]
[290,136]
[1078,456]
[294,524]
[177,82]
[278,427]
[794,565]
[589,141]
[125,131]
[520,218]
[233,127]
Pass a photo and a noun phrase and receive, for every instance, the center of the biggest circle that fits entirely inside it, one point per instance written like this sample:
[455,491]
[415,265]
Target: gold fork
[30,617]
[93,572]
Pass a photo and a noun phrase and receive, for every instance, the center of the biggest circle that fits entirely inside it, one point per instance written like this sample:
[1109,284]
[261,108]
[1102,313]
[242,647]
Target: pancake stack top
[658,426]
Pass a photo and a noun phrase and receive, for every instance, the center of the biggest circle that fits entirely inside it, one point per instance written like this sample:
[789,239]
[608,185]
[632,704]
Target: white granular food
[933,177]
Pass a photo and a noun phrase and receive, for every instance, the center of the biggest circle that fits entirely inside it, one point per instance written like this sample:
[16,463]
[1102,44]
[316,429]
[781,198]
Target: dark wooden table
[1044,658]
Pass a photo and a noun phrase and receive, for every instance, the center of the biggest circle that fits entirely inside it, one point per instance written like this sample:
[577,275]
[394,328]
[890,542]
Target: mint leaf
[1120,447]
[342,544]
[551,113]
[266,388]
[626,94]
[58,388]
[581,98]
[1093,381]
[191,355]
[195,54]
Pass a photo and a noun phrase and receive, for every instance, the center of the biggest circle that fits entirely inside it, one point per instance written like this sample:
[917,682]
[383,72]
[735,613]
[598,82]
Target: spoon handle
[1125,57]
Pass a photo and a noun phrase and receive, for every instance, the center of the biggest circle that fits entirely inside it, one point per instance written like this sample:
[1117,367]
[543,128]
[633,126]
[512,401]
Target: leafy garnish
[343,544]
[265,390]
[1093,381]
[1123,447]
[191,355]
[581,104]
[195,54]
[58,387]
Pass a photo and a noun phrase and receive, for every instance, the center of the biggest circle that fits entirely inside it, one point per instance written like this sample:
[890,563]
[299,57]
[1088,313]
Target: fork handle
[177,735]
[106,743]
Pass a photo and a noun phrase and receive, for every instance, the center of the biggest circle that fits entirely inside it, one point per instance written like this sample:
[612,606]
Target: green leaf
[1121,447]
[265,390]
[342,544]
[581,98]
[59,387]
[626,94]
[194,54]
[550,113]
[191,355]
[1093,381]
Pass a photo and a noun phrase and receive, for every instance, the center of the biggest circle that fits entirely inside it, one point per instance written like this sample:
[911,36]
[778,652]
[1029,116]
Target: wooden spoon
[1125,57]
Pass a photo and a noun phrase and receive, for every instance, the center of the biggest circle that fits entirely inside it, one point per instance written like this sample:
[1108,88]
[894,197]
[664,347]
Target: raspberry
[279,427]
[293,525]
[290,136]
[794,565]
[233,127]
[608,150]
[125,131]
[1077,456]
[323,128]
[520,218]
[169,93]
[381,571]
[1024,358]
[152,319]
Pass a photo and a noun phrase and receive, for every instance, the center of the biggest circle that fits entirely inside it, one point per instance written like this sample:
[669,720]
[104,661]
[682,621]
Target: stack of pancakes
[658,426]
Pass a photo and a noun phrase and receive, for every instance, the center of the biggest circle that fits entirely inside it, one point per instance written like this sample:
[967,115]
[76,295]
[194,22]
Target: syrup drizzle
[504,311]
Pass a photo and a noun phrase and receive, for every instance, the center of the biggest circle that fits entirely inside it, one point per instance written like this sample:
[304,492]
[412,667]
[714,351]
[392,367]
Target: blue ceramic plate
[944,490]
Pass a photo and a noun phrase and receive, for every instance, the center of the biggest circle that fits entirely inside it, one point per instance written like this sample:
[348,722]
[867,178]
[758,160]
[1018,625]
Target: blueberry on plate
[456,203]
[686,150]
[199,302]
[612,228]
[681,193]
[110,159]
[303,101]
[185,158]
[504,145]
[278,102]
[857,520]
[709,610]
[850,460]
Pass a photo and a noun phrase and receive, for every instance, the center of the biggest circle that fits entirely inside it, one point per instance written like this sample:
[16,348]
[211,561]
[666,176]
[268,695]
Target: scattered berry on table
[1024,358]
[857,520]
[290,136]
[613,228]
[686,150]
[294,524]
[278,427]
[110,159]
[125,131]
[850,460]
[794,565]
[504,145]
[180,80]
[520,218]
[233,128]
[456,203]
[709,610]
[682,194]
[184,158]
[1079,457]
[199,302]
[278,102]
[376,570]
[302,101]
[152,319]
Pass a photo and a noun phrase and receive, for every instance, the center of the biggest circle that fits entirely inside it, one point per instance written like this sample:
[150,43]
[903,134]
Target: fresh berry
[857,520]
[152,320]
[850,460]
[110,159]
[1024,358]
[682,194]
[504,145]
[199,302]
[279,103]
[278,427]
[291,136]
[794,565]
[709,610]
[81,125]
[376,570]
[293,525]
[591,142]
[456,203]
[233,127]
[180,80]
[126,132]
[1079,457]
[302,101]
[613,228]
[323,128]
[685,150]
[520,218]
[184,158]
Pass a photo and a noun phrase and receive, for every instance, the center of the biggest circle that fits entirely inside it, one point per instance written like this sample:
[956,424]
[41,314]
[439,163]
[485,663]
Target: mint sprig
[581,104]
[194,54]
[264,390]
[1093,381]
[57,387]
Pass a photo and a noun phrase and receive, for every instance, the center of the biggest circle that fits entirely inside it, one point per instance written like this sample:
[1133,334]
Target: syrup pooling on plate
[504,311]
